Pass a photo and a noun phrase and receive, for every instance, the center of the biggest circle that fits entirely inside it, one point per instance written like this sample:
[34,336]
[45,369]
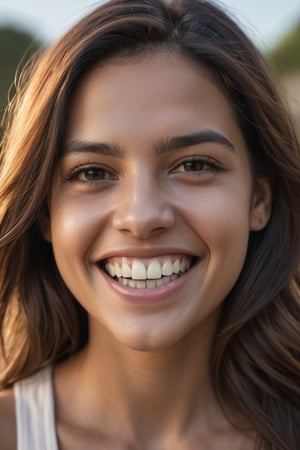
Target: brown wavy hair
[255,363]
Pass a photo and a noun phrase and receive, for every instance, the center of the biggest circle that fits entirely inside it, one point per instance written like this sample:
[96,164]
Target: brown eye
[198,165]
[94,174]
[91,174]
[193,166]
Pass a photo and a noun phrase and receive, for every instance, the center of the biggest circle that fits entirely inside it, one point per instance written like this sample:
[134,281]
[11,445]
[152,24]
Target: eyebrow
[164,146]
[188,140]
[79,146]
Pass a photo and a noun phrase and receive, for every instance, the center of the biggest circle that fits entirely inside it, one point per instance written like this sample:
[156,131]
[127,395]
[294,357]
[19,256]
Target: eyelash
[212,165]
[74,174]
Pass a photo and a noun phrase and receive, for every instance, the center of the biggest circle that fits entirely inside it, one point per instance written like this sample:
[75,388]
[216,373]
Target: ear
[261,206]
[44,224]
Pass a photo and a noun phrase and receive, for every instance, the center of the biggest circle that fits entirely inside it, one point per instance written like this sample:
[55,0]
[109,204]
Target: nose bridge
[143,209]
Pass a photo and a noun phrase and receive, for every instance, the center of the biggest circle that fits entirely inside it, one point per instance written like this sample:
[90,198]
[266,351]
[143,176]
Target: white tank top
[35,415]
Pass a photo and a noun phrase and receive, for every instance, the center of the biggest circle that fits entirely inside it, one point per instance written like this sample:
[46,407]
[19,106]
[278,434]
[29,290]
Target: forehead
[157,94]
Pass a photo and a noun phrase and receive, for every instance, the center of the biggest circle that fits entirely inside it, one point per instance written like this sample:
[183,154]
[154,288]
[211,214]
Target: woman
[150,209]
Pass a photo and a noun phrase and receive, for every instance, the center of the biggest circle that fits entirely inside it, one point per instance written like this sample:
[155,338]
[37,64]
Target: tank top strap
[35,414]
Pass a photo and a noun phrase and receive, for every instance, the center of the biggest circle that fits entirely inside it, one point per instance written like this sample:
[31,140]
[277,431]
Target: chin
[150,340]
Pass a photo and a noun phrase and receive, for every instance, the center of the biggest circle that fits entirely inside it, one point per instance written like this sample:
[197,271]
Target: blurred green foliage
[285,56]
[16,47]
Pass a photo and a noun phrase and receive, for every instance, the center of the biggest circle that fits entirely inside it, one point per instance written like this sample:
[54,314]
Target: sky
[265,21]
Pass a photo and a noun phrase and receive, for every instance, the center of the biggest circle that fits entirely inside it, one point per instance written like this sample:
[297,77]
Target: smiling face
[152,200]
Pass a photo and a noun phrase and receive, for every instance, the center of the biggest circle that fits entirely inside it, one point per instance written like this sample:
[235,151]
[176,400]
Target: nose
[143,210]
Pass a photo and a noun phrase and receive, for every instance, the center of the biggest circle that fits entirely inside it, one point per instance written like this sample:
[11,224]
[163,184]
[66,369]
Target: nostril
[144,214]
[142,229]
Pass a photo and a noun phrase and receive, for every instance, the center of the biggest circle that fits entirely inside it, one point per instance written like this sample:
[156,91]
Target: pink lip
[144,253]
[149,296]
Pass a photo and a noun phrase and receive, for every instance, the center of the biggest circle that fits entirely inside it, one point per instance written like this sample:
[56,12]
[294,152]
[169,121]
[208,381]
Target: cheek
[75,223]
[73,230]
[221,220]
[224,228]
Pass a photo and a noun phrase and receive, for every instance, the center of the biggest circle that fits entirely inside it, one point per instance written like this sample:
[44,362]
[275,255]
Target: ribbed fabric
[35,412]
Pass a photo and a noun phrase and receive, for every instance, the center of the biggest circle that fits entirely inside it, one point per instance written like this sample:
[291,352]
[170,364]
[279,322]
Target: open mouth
[147,273]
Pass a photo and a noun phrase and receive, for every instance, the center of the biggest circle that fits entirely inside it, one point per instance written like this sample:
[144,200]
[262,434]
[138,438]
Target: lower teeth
[144,284]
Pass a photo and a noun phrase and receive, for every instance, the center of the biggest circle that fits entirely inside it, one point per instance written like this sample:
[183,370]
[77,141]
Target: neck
[145,392]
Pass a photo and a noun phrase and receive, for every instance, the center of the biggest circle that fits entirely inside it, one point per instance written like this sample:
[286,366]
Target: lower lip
[149,295]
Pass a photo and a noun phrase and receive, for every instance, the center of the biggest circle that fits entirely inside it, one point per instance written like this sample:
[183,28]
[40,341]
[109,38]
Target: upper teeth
[152,270]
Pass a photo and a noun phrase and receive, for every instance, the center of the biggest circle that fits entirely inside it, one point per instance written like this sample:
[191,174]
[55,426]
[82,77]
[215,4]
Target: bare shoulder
[7,420]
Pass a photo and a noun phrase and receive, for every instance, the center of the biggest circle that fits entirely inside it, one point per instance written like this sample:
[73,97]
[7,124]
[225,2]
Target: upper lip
[145,252]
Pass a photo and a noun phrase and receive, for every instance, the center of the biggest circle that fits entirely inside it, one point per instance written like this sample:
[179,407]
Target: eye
[197,165]
[91,174]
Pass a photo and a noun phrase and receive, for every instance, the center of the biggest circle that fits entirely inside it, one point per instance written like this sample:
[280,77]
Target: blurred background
[273,25]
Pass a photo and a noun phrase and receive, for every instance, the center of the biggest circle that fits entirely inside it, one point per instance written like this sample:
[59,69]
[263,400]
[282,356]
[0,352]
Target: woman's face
[152,200]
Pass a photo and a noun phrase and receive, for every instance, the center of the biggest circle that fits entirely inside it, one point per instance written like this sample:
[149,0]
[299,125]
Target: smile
[147,273]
